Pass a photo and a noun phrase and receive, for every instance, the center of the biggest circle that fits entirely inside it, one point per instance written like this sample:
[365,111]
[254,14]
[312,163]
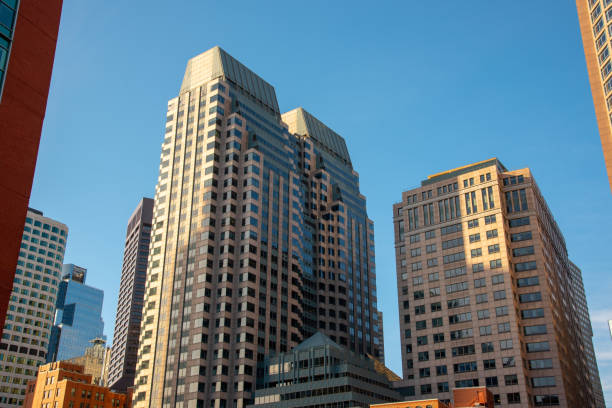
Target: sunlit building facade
[29,319]
[260,238]
[595,18]
[486,291]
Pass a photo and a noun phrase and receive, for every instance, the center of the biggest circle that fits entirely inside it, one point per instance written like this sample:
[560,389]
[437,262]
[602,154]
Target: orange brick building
[65,385]
[468,397]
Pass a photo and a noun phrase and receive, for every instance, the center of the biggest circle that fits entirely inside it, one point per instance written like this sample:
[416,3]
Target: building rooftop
[434,178]
[304,124]
[216,63]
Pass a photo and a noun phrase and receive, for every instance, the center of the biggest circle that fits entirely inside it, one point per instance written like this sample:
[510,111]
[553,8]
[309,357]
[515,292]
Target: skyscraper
[587,352]
[78,315]
[486,291]
[32,303]
[28,34]
[595,17]
[131,292]
[260,238]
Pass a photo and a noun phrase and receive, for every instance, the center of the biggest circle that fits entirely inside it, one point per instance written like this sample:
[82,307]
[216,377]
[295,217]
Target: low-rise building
[65,385]
[468,397]
[320,373]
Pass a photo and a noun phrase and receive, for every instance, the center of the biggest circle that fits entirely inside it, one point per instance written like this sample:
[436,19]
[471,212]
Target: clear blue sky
[415,87]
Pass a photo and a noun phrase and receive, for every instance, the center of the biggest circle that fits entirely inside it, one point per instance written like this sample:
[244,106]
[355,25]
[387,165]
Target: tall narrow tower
[131,293]
[260,238]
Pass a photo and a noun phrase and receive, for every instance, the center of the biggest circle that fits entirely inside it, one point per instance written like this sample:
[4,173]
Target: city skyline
[546,171]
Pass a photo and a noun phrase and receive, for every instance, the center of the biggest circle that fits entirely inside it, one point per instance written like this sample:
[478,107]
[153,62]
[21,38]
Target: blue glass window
[8,14]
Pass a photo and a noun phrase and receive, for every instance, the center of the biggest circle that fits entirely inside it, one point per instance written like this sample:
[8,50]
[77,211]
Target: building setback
[485,290]
[27,327]
[66,385]
[260,238]
[320,373]
[78,315]
[131,292]
[594,17]
[28,34]
[587,352]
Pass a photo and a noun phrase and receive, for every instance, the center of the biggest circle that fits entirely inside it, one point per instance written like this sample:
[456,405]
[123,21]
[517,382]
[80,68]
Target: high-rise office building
[95,361]
[595,18]
[587,352]
[28,34]
[78,315]
[131,293]
[32,303]
[486,293]
[260,238]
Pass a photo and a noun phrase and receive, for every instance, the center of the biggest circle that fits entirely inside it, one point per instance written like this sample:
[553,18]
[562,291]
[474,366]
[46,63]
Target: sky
[415,88]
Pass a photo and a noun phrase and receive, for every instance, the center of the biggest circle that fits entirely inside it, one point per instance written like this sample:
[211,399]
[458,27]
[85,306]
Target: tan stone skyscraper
[260,238]
[487,295]
[596,26]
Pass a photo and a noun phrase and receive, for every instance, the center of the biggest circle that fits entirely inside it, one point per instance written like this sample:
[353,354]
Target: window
[487,347]
[499,295]
[424,372]
[474,238]
[456,287]
[425,388]
[516,200]
[534,330]
[7,19]
[436,307]
[537,382]
[501,311]
[424,356]
[545,400]
[485,330]
[505,344]
[432,277]
[453,273]
[525,266]
[521,236]
[421,340]
[537,347]
[494,264]
[443,387]
[472,223]
[430,248]
[461,334]
[478,267]
[514,398]
[419,294]
[540,364]
[434,292]
[454,257]
[530,281]
[518,222]
[497,279]
[482,298]
[415,252]
[421,324]
[453,303]
[490,219]
[479,283]
[528,250]
[483,314]
[419,309]
[440,354]
[503,327]
[532,313]
[463,350]
[530,297]
[491,382]
[468,366]
[489,364]
[492,234]
[476,252]
[508,362]
[438,337]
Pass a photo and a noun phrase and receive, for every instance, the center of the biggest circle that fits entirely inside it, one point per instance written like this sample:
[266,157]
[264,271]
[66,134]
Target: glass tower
[260,239]
[78,315]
